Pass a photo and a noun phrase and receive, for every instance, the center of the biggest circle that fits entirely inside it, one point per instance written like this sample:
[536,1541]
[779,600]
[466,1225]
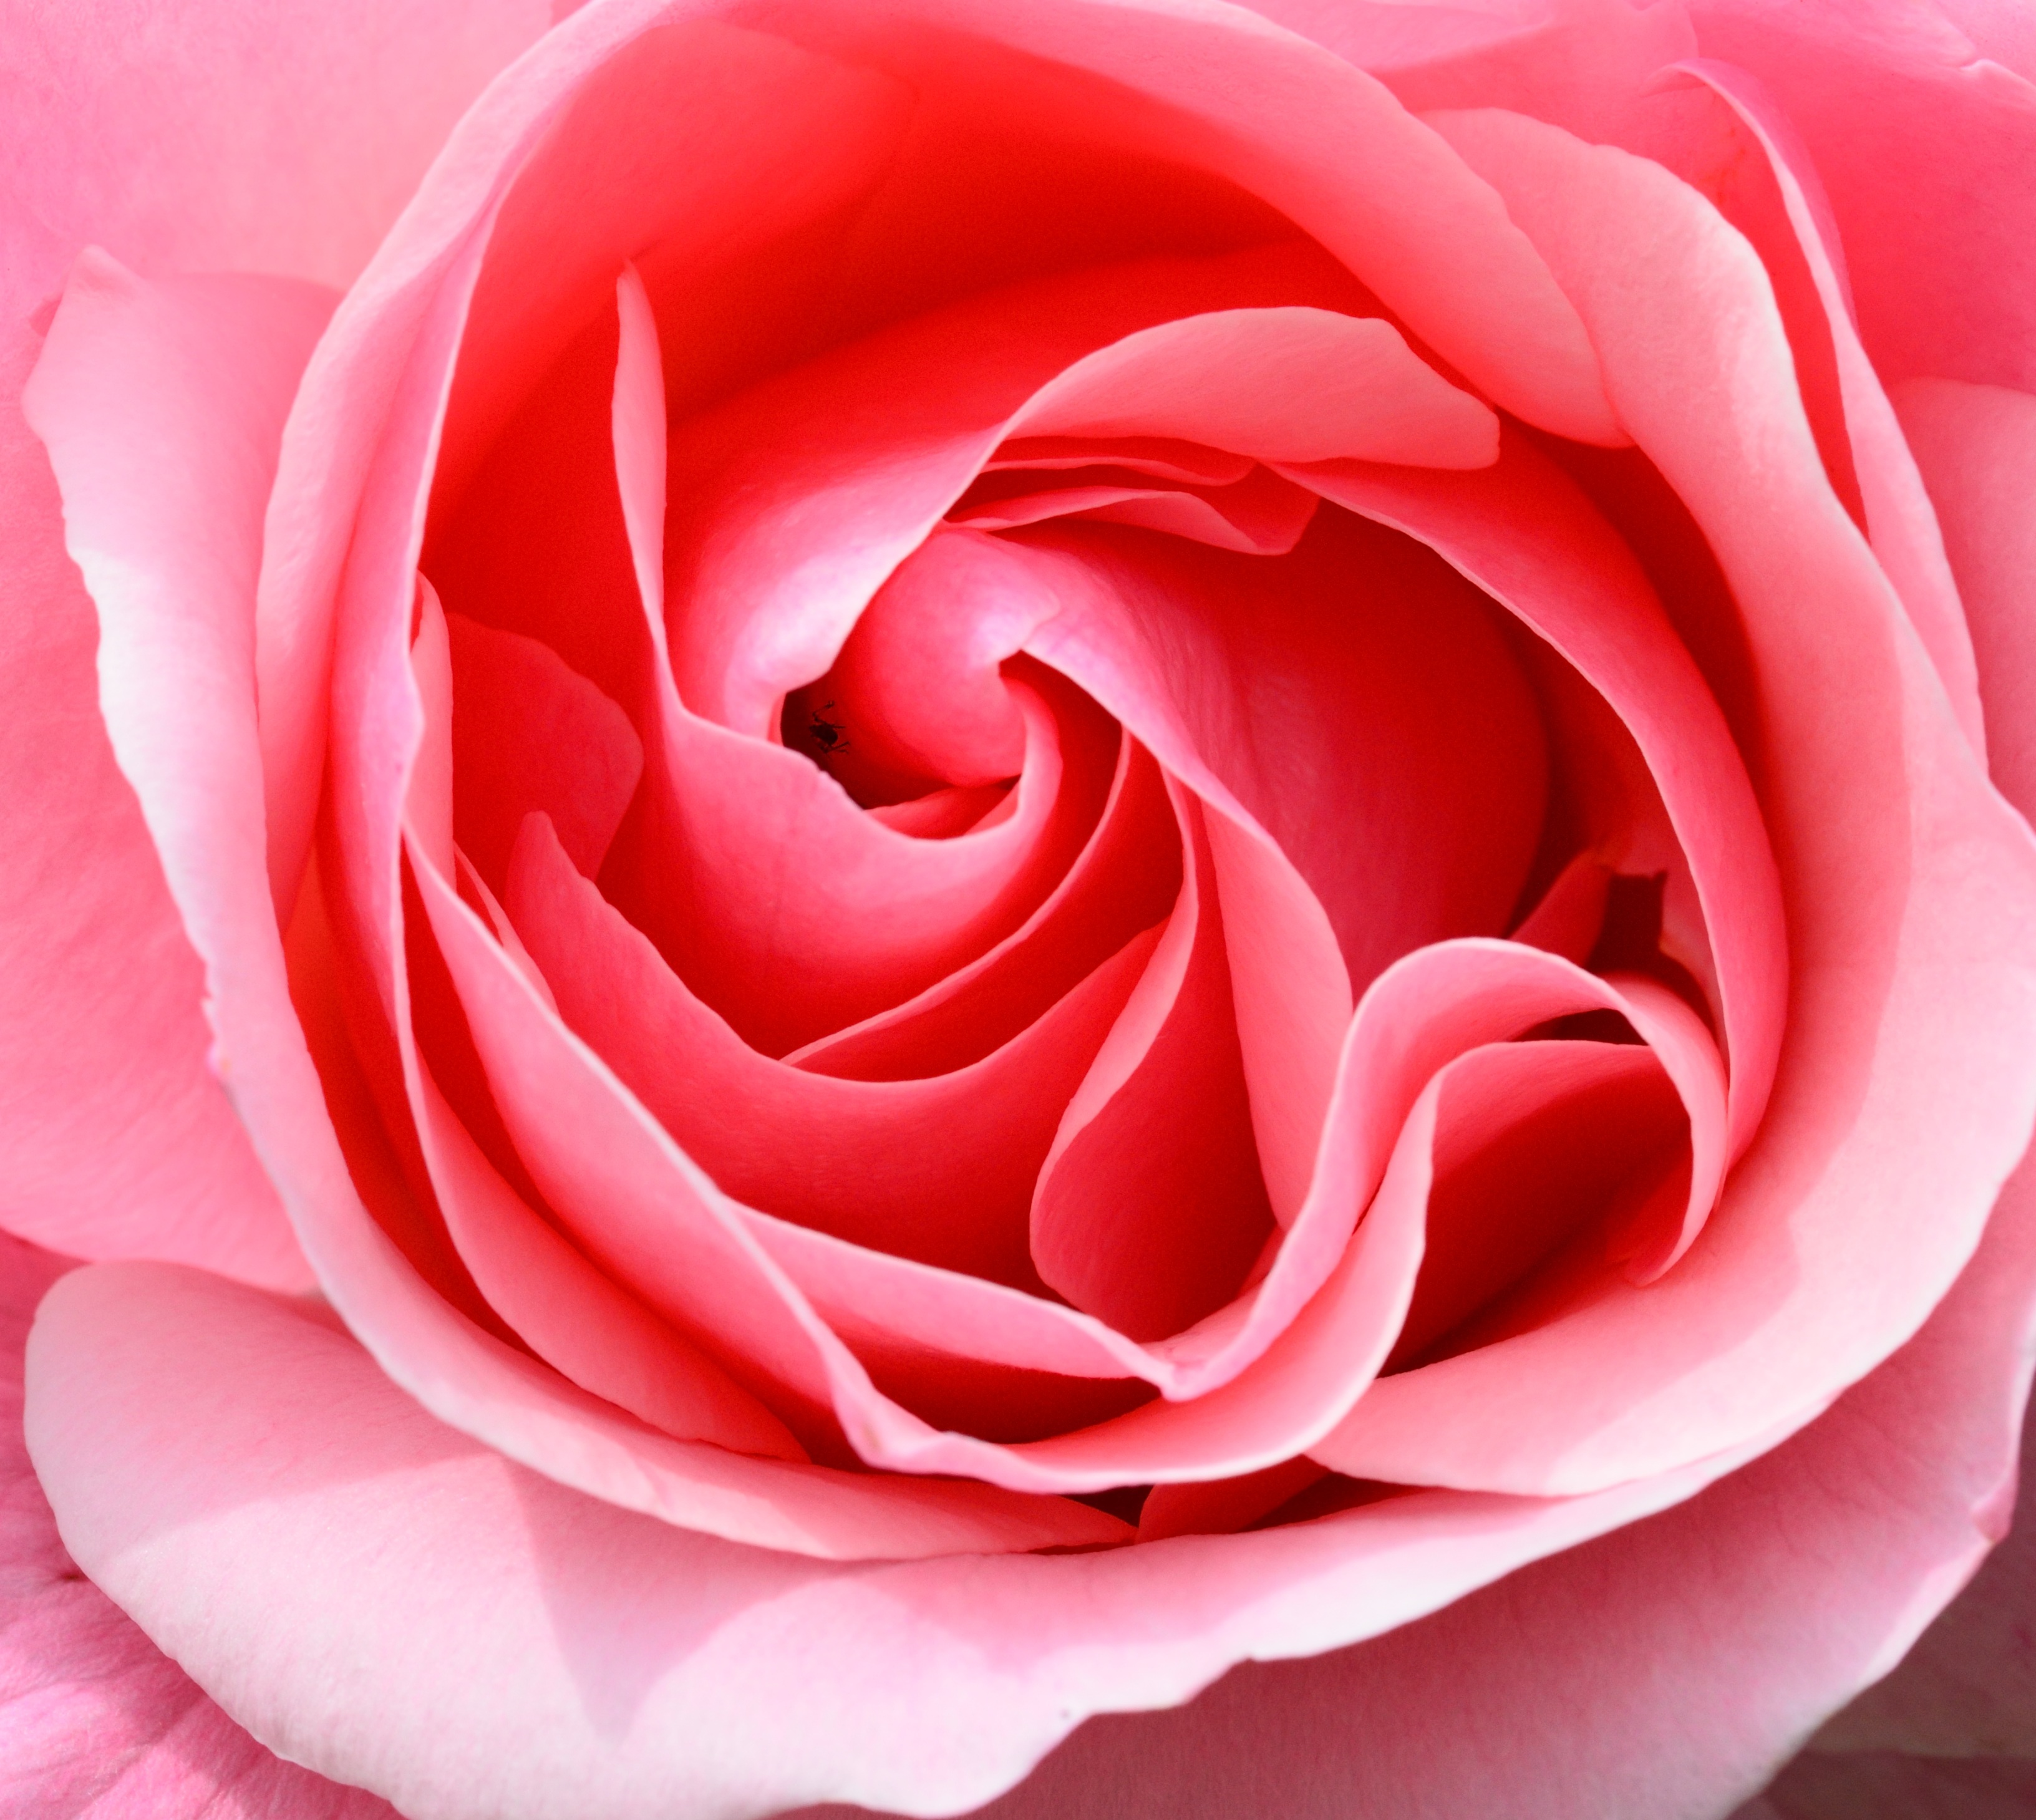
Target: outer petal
[161,406]
[1928,149]
[391,1603]
[98,1724]
[197,136]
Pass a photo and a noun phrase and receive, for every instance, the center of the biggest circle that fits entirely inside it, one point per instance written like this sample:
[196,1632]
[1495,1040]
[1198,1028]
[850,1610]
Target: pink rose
[1030,848]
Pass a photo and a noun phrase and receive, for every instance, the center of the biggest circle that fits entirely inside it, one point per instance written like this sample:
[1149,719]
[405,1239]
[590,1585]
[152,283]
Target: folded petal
[1681,1661]
[939,1168]
[1879,861]
[1903,530]
[1924,148]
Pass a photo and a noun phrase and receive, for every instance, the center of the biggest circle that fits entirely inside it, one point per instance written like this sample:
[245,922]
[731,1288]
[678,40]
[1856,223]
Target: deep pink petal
[778,537]
[531,1412]
[570,1315]
[1881,866]
[389,1601]
[355,456]
[939,1168]
[1924,147]
[1327,147]
[1260,516]
[1150,1207]
[1899,519]
[1886,1785]
[1123,880]
[1245,680]
[529,735]
[1531,540]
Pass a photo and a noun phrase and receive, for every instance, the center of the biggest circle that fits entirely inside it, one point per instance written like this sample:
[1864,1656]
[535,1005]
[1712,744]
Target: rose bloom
[881,874]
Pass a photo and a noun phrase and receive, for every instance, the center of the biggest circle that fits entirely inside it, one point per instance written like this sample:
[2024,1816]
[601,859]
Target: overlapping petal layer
[983,878]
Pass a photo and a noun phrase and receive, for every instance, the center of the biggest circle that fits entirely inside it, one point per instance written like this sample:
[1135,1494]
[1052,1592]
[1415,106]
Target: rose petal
[1149,1208]
[1246,678]
[1279,385]
[573,1317]
[1881,866]
[1907,125]
[889,914]
[161,405]
[1123,880]
[1679,1661]
[1899,519]
[778,537]
[555,1657]
[939,1168]
[1976,445]
[1262,516]
[528,734]
[1319,141]
[1529,538]
[97,1720]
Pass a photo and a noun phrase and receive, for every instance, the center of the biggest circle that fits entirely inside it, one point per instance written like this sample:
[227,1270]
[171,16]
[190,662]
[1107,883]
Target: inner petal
[1151,1207]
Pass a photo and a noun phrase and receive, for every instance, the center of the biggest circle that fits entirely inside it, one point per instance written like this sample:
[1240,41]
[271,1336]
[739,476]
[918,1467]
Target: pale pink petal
[98,1724]
[161,405]
[1969,1686]
[1976,445]
[213,140]
[1580,64]
[1279,385]
[390,1602]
